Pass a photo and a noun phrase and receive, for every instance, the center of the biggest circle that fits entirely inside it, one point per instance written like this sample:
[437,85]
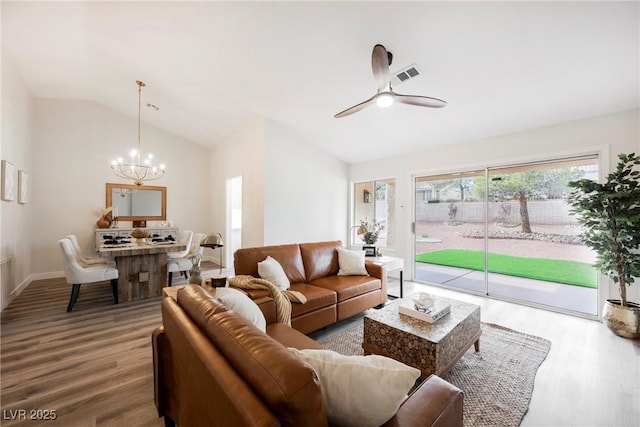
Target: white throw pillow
[237,301]
[360,391]
[351,263]
[271,270]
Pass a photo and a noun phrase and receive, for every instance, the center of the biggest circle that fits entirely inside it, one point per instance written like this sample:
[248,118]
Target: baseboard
[17,291]
[48,275]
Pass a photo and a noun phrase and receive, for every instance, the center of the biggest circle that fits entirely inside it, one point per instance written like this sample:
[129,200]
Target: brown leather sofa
[212,367]
[312,269]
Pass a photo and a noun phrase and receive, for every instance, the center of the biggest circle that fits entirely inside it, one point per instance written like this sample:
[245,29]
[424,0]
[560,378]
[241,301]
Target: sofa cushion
[348,286]
[255,293]
[271,270]
[320,259]
[282,380]
[351,263]
[246,261]
[360,391]
[317,298]
[239,302]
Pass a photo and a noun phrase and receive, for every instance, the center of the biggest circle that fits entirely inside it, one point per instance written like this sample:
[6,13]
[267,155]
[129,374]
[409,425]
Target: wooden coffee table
[431,347]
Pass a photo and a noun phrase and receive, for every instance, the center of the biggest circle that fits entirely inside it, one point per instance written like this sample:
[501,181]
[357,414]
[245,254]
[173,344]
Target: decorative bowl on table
[140,235]
[422,301]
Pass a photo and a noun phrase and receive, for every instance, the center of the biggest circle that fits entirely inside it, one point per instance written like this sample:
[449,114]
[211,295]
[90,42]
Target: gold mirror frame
[129,187]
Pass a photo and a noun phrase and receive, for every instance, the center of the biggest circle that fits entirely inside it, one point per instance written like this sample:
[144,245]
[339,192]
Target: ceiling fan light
[384,100]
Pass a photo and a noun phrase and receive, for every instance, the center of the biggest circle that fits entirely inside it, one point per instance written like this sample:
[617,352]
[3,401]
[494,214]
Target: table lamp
[361,229]
[213,241]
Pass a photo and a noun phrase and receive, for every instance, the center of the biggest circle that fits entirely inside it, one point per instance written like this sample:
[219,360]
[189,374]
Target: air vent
[405,74]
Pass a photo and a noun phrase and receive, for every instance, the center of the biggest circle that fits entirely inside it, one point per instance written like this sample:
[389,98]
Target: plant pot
[623,321]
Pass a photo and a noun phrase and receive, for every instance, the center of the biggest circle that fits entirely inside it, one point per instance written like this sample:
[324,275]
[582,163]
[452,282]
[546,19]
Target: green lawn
[551,270]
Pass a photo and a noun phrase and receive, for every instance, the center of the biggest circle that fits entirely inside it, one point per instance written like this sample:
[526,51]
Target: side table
[391,263]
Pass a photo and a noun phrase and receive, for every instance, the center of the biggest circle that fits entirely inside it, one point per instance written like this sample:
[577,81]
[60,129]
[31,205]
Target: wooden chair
[76,273]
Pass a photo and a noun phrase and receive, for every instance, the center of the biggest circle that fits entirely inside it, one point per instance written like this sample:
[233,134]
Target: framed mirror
[135,203]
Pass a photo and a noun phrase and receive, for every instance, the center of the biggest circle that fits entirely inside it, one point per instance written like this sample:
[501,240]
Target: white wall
[306,191]
[16,146]
[74,143]
[292,191]
[242,154]
[614,133]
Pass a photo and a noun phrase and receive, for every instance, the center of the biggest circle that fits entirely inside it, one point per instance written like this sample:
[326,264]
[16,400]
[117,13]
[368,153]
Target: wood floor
[93,366]
[591,377]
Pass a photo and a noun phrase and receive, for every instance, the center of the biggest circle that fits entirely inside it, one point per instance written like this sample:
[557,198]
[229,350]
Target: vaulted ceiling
[214,67]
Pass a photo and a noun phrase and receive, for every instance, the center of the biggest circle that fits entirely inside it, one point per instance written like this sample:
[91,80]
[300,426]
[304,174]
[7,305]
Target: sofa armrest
[379,272]
[268,307]
[375,270]
[434,403]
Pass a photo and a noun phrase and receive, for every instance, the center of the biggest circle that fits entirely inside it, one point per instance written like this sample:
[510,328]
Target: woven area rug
[497,381]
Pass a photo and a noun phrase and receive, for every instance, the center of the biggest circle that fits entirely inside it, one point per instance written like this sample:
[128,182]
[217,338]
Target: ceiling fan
[380,61]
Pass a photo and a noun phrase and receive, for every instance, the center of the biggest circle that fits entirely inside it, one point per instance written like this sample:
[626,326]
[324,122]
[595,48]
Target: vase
[622,321]
[369,238]
[103,223]
[195,278]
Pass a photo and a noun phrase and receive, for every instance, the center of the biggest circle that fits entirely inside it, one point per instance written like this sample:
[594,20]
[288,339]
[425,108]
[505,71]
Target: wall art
[8,181]
[22,187]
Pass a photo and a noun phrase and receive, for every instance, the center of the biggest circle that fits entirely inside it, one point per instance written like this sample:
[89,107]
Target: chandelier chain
[138,171]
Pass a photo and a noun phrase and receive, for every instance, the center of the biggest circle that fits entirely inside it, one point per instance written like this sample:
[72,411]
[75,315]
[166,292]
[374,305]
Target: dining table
[142,267]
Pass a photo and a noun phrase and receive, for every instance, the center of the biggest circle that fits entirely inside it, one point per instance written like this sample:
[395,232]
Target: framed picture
[369,250]
[22,187]
[8,181]
[367,196]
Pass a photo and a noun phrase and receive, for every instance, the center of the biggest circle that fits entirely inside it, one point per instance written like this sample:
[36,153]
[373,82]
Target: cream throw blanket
[282,298]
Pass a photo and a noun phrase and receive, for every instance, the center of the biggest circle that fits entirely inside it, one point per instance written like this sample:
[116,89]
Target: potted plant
[371,231]
[610,216]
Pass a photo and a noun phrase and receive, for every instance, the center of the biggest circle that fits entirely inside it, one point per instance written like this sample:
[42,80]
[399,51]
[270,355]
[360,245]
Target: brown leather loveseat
[212,367]
[312,269]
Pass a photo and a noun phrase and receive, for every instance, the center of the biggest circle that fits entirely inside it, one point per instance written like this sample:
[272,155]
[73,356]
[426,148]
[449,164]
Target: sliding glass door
[450,223]
[507,232]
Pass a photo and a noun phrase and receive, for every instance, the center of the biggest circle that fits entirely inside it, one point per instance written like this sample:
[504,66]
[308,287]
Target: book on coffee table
[438,310]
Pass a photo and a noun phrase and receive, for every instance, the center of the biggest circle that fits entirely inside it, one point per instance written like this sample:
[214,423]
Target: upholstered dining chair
[185,264]
[185,238]
[76,273]
[87,260]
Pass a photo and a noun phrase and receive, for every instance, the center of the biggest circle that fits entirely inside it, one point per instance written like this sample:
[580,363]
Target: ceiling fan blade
[380,66]
[420,101]
[356,108]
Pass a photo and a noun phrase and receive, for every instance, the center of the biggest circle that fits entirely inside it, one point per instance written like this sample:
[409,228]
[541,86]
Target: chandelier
[134,169]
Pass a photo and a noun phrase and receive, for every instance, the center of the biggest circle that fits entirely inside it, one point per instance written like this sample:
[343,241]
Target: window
[508,232]
[375,201]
